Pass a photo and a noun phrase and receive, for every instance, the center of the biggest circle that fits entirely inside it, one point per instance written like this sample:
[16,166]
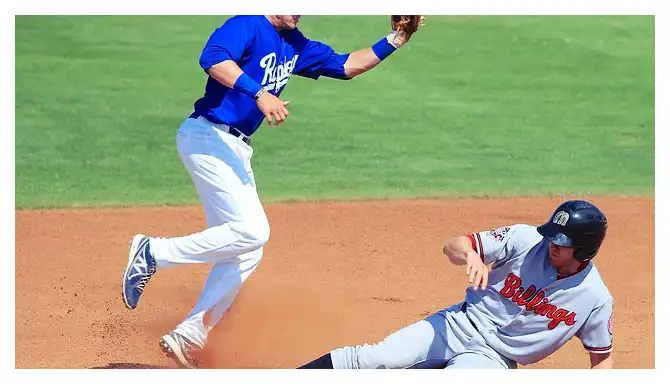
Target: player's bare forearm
[601,361]
[226,72]
[457,249]
[360,62]
[365,59]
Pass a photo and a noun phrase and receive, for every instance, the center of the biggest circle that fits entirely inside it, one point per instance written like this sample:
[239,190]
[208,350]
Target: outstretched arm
[318,59]
[365,59]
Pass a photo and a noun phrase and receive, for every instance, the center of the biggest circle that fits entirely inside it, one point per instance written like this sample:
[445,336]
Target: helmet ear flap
[584,254]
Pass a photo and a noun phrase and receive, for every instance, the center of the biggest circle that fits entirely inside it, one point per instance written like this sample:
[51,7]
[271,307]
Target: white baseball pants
[237,228]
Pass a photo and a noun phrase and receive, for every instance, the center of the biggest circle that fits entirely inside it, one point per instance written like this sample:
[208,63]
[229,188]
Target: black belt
[231,130]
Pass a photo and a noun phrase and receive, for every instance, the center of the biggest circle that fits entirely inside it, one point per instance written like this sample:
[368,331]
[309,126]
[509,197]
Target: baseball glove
[407,23]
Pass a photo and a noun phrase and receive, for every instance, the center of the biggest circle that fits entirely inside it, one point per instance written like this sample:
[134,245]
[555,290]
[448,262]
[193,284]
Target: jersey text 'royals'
[276,75]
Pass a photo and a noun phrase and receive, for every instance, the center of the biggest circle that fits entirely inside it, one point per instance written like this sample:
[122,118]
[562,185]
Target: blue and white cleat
[141,266]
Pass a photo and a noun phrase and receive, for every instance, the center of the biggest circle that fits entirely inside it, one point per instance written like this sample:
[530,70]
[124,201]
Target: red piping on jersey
[474,245]
[481,248]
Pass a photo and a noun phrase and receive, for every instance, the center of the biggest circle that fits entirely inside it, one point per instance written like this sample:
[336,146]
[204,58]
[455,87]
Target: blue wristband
[383,48]
[247,85]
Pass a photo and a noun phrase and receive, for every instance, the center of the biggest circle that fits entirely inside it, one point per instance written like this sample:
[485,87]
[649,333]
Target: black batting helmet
[578,224]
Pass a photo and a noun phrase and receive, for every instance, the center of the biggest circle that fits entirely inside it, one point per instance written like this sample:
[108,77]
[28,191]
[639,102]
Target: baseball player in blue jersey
[249,60]
[541,290]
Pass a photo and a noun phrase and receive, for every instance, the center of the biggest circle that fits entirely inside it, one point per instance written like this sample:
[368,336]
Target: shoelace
[145,279]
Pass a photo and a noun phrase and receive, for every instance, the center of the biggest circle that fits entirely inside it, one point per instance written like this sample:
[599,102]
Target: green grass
[472,106]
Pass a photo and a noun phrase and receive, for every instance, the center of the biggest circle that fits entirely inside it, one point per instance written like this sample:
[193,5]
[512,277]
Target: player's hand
[477,271]
[272,107]
[404,26]
[401,38]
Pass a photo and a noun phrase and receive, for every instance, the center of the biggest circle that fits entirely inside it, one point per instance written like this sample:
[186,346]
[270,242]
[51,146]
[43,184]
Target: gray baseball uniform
[526,313]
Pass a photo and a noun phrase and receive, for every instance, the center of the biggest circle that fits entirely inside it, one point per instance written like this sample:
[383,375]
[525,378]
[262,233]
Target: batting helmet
[577,224]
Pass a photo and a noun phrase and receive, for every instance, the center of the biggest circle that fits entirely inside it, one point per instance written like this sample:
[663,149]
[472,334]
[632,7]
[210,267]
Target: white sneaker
[179,349]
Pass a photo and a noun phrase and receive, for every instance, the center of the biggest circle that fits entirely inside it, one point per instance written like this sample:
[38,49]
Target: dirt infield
[332,274]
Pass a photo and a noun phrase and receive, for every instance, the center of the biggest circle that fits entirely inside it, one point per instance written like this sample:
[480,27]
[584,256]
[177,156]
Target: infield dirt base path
[332,274]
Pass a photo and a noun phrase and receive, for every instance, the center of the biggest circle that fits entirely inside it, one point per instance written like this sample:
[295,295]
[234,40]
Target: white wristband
[260,93]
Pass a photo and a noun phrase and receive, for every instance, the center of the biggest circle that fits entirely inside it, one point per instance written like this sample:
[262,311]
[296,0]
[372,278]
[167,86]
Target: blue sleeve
[318,59]
[228,42]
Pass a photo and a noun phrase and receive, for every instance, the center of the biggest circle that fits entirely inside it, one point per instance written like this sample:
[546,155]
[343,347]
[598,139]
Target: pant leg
[220,168]
[221,288]
[428,343]
[473,360]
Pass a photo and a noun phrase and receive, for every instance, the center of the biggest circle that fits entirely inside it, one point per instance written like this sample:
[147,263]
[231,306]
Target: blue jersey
[269,57]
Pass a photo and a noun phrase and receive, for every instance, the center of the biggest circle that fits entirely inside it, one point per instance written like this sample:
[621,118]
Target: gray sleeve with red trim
[596,333]
[504,243]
